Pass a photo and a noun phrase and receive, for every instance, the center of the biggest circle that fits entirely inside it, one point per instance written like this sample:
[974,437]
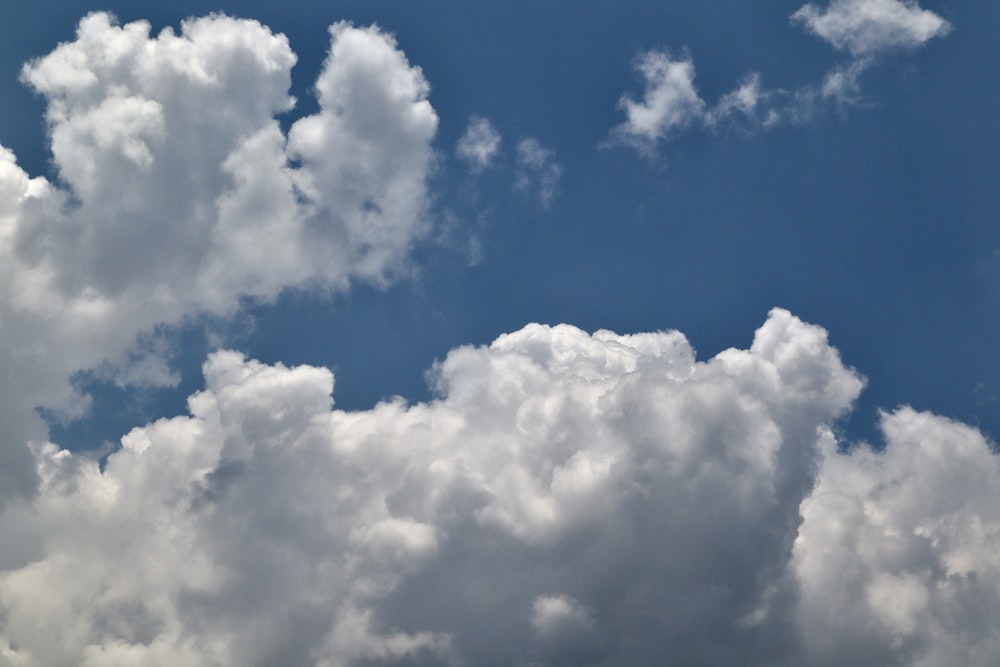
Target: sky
[384,333]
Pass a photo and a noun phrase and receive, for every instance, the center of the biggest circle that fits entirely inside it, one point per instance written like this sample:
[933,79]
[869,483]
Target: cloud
[537,171]
[871,27]
[479,144]
[178,194]
[898,551]
[568,499]
[746,100]
[843,84]
[670,102]
[866,29]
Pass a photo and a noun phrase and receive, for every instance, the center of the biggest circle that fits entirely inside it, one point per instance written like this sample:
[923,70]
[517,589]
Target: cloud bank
[570,499]
[162,211]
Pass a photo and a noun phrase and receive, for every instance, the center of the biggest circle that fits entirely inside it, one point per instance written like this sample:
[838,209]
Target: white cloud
[869,27]
[670,102]
[567,492]
[843,84]
[537,171]
[178,193]
[568,499]
[899,551]
[479,144]
[866,28]
[745,100]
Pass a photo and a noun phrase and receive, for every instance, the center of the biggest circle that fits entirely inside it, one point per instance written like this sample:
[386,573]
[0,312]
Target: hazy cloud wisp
[537,171]
[866,29]
[479,144]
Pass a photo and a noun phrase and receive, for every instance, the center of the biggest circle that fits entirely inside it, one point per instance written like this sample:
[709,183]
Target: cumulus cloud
[898,552]
[567,492]
[178,193]
[537,171]
[479,144]
[869,27]
[568,499]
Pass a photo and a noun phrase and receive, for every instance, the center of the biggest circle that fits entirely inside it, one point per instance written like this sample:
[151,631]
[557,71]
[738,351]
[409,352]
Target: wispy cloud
[537,171]
[479,144]
[866,29]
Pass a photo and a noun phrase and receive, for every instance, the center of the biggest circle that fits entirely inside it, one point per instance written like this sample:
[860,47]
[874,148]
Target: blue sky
[865,207]
[872,219]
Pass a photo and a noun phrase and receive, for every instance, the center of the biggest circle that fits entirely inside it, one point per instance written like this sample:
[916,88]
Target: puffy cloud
[178,194]
[869,27]
[899,551]
[479,144]
[537,170]
[670,102]
[569,499]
